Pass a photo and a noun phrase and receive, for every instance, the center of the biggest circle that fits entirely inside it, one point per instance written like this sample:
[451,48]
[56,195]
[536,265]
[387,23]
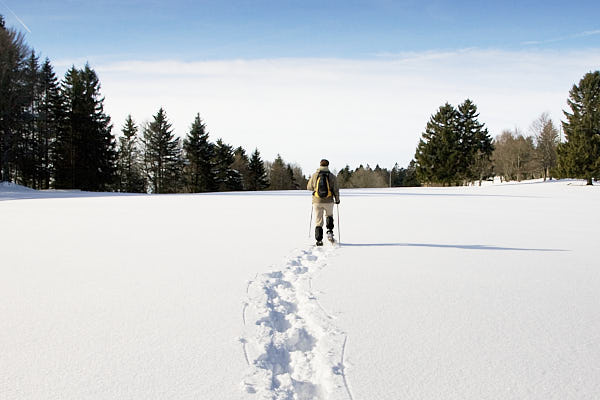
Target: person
[326,192]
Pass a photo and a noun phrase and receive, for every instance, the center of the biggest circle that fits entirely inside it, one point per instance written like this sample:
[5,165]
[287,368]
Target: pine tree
[85,149]
[579,156]
[439,154]
[129,166]
[227,178]
[162,155]
[199,159]
[257,176]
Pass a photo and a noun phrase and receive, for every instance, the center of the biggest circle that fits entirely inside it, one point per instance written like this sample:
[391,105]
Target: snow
[435,293]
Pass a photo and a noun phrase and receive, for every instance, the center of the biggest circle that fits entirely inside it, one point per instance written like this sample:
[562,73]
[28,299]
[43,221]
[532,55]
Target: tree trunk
[589,181]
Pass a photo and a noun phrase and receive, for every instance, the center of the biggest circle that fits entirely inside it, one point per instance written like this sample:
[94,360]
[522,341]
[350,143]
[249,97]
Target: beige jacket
[333,185]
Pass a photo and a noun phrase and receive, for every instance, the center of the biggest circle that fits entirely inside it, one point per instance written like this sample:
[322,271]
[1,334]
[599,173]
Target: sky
[352,81]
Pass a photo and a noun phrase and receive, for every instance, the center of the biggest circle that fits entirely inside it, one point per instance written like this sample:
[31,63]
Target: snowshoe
[319,243]
[330,236]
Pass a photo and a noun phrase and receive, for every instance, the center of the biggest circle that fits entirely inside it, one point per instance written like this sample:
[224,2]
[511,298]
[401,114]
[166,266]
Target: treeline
[157,161]
[518,157]
[55,134]
[52,134]
[367,177]
[456,148]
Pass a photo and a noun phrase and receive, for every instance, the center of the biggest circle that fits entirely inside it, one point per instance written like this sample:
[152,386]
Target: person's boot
[329,225]
[319,235]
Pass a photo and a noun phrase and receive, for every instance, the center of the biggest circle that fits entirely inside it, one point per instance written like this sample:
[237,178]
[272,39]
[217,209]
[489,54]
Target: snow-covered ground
[486,292]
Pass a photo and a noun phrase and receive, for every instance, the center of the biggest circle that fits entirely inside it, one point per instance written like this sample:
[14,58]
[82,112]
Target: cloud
[560,39]
[349,111]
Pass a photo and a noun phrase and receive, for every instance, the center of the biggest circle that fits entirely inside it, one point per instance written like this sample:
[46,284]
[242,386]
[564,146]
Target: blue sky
[360,78]
[205,30]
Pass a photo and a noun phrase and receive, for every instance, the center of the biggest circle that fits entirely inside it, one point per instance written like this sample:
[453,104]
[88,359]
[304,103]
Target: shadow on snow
[446,246]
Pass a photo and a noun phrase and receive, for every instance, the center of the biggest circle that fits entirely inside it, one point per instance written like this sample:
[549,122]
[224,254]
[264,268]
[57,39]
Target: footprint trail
[292,348]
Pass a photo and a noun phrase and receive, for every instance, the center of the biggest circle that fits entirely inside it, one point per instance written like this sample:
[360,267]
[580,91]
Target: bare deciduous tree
[546,136]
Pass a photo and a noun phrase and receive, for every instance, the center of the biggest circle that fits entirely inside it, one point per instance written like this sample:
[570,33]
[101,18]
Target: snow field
[435,293]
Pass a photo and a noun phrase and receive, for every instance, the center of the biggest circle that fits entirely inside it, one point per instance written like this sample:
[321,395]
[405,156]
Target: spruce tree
[411,178]
[129,167]
[475,144]
[579,156]
[439,154]
[299,181]
[199,159]
[49,116]
[257,176]
[227,178]
[162,155]
[85,149]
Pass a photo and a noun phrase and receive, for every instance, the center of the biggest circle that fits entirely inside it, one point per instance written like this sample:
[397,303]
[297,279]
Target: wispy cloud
[559,39]
[16,16]
[358,111]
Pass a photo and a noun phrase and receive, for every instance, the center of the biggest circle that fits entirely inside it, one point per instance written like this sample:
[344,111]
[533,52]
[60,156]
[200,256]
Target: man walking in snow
[325,192]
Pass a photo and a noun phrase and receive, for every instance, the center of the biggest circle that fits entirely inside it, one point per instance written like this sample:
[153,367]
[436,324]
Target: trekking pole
[338,218]
[310,222]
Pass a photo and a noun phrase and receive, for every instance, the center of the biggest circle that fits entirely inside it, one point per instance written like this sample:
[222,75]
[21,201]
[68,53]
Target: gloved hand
[337,201]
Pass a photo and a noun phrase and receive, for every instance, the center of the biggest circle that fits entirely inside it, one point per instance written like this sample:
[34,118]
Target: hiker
[325,192]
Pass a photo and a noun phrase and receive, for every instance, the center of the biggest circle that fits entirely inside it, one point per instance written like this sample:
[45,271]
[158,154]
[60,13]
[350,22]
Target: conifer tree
[162,155]
[199,159]
[129,166]
[85,149]
[579,156]
[298,179]
[49,117]
[410,178]
[257,176]
[439,154]
[475,144]
[13,98]
[227,178]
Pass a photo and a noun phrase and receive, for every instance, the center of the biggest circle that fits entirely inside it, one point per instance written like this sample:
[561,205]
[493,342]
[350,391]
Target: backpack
[323,189]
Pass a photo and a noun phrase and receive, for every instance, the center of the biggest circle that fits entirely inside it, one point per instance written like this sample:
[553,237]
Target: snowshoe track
[292,349]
